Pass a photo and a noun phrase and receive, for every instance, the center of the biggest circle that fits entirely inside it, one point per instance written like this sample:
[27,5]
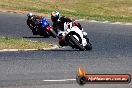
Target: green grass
[20,43]
[112,10]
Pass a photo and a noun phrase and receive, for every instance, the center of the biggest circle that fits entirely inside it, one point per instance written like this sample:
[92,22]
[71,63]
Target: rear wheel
[34,32]
[76,42]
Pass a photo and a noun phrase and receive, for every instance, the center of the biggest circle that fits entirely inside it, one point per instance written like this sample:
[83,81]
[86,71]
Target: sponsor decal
[83,78]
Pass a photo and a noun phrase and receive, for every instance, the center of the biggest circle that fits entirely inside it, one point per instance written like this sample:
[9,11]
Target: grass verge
[111,10]
[20,43]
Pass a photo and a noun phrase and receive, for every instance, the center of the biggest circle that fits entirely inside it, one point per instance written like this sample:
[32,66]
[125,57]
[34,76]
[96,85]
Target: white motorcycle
[75,37]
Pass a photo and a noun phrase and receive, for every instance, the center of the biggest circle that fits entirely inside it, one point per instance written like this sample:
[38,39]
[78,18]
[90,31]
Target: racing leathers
[32,23]
[59,26]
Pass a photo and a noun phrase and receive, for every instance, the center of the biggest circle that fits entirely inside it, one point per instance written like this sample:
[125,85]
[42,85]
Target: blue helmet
[55,16]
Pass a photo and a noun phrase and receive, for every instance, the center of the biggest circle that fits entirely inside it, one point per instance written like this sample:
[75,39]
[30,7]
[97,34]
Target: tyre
[34,32]
[76,42]
[88,46]
[69,42]
[52,33]
[43,33]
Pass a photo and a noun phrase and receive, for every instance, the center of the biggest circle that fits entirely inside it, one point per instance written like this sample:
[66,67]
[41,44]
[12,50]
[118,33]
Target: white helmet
[30,14]
[55,16]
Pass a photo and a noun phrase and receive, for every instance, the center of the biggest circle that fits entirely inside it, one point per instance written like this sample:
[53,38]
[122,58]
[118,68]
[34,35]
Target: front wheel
[88,46]
[76,43]
[34,32]
[52,33]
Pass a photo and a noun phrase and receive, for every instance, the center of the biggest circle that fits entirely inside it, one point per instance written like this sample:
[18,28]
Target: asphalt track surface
[112,53]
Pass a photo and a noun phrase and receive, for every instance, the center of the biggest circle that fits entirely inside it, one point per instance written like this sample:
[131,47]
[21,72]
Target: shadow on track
[36,37]
[60,50]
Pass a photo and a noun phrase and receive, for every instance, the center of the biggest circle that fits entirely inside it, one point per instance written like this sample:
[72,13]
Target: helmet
[29,15]
[55,16]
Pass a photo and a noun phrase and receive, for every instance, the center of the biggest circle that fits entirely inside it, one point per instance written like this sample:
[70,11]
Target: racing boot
[62,42]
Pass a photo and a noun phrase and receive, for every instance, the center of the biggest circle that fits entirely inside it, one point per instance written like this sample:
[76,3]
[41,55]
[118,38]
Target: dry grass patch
[20,43]
[113,10]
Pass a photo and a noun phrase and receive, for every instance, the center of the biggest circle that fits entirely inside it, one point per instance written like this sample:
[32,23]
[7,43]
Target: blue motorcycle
[41,27]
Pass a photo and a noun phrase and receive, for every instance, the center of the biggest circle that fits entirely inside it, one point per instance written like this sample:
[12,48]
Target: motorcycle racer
[58,25]
[32,22]
[58,22]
